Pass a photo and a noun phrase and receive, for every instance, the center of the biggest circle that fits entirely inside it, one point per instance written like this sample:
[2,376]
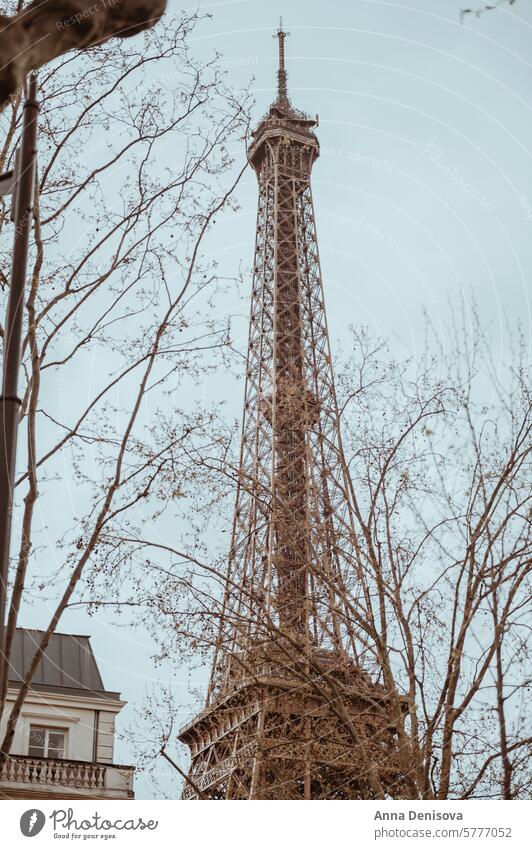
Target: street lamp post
[20,185]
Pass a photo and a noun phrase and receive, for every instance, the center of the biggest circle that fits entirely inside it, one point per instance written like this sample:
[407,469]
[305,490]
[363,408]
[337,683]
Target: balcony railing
[86,777]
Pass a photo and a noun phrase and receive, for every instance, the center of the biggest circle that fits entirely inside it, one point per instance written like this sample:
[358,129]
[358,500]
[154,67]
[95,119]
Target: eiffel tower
[292,712]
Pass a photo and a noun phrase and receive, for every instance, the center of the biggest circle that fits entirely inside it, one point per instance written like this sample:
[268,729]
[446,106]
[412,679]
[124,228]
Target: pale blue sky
[424,185]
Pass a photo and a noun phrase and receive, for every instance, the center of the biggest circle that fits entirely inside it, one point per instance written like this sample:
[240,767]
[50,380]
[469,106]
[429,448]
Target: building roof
[68,662]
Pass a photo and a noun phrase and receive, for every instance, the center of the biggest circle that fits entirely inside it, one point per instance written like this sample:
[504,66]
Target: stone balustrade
[95,780]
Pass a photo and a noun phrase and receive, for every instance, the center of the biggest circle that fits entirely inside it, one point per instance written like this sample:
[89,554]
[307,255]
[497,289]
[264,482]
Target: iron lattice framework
[290,712]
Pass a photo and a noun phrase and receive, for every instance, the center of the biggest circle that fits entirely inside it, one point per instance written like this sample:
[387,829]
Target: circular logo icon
[32,822]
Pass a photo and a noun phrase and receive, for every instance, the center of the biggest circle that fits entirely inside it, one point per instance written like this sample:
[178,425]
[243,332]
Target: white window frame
[50,719]
[47,729]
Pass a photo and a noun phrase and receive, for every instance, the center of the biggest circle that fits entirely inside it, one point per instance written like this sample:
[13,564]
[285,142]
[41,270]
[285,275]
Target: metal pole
[9,400]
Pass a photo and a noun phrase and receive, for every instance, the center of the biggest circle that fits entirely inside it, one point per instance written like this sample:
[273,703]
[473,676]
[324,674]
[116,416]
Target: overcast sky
[423,187]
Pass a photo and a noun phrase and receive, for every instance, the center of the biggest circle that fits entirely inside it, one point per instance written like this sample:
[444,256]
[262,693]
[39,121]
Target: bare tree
[134,165]
[441,494]
[438,450]
[439,461]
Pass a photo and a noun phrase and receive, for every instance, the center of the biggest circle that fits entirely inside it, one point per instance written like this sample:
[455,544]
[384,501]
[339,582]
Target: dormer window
[46,742]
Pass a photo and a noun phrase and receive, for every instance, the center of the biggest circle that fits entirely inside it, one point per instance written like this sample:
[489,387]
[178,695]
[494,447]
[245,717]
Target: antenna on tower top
[282,93]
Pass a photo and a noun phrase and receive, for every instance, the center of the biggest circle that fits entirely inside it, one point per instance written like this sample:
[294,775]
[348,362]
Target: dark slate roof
[68,662]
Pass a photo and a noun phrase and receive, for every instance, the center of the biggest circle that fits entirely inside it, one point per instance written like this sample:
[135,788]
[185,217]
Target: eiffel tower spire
[288,639]
[282,89]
